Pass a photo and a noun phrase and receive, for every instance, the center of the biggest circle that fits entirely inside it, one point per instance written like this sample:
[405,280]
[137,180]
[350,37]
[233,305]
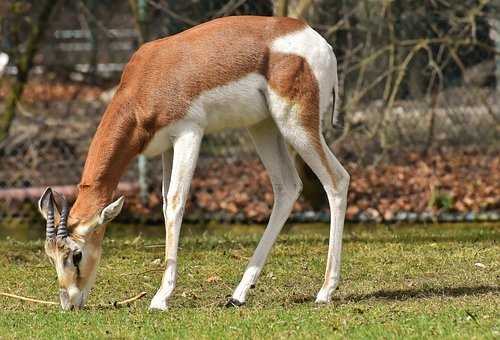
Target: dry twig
[129,300]
[115,304]
[24,298]
[143,272]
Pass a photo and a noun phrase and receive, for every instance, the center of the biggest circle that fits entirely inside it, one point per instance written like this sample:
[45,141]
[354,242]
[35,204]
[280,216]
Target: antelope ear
[111,211]
[43,203]
[105,216]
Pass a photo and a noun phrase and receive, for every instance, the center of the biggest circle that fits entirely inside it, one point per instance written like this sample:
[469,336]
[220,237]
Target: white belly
[235,105]
[238,104]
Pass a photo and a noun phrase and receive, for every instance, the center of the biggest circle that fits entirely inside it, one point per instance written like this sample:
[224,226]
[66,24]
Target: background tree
[23,17]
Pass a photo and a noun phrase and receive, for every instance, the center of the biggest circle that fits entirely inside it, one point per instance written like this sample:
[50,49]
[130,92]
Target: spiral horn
[62,230]
[51,228]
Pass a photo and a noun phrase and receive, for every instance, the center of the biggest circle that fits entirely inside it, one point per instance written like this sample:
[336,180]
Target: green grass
[398,282]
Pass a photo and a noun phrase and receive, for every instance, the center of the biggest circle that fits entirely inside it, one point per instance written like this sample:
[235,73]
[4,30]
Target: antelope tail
[338,115]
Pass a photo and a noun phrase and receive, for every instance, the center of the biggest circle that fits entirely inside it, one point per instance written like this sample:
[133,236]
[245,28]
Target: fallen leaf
[213,279]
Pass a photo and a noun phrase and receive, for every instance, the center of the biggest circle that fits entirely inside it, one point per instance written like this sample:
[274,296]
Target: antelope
[276,77]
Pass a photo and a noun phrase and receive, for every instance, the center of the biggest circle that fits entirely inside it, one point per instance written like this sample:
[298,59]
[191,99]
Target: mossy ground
[397,282]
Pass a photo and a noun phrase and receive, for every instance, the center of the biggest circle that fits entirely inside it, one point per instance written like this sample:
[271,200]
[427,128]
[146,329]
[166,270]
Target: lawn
[418,281]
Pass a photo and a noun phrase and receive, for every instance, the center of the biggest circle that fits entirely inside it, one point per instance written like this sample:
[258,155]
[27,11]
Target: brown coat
[164,76]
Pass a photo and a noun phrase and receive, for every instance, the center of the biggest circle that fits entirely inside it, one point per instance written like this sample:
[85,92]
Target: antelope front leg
[186,149]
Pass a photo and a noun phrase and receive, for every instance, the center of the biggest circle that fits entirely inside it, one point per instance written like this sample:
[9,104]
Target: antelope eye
[77,257]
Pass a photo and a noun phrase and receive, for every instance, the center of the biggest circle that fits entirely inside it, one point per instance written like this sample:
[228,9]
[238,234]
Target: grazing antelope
[276,77]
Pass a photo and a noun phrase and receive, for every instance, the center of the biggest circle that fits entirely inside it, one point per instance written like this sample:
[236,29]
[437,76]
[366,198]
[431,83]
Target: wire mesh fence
[421,134]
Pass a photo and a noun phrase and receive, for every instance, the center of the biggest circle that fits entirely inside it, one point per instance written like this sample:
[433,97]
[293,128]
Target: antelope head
[75,249]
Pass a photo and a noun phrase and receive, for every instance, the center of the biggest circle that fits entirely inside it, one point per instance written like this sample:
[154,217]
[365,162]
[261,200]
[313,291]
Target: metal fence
[418,145]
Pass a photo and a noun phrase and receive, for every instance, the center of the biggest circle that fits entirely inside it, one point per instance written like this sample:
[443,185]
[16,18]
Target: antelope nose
[74,295]
[73,292]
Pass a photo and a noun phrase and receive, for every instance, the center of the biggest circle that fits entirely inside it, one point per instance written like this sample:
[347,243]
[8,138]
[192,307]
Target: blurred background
[420,90]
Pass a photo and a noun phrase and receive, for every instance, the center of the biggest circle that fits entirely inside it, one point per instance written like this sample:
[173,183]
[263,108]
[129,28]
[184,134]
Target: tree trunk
[281,8]
[24,64]
[139,10]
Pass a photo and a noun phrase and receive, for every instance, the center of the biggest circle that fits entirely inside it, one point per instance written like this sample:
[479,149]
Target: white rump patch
[311,46]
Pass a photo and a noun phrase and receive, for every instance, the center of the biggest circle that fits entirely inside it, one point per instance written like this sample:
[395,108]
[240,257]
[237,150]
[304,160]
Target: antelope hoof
[324,296]
[158,304]
[234,303]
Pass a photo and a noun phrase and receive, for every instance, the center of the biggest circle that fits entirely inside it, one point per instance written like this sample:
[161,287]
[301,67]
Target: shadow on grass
[404,294]
[388,295]
[407,294]
[414,239]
